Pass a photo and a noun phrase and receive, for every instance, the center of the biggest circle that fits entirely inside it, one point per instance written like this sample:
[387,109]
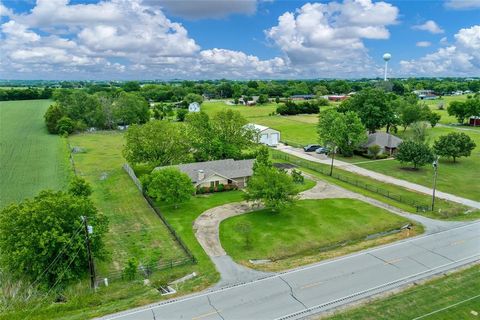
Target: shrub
[297,177]
[130,270]
[292,108]
[220,187]
[65,125]
[374,150]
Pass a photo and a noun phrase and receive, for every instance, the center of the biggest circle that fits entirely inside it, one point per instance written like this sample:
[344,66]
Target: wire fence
[419,207]
[154,207]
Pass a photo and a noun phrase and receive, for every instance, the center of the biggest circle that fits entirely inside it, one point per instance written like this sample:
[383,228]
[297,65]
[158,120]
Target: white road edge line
[194,296]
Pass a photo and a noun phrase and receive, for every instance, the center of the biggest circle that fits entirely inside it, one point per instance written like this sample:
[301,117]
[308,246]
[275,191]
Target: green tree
[193,97]
[458,109]
[419,130]
[130,270]
[65,125]
[274,188]
[130,108]
[157,143]
[42,239]
[433,118]
[416,153]
[53,114]
[262,158]
[297,177]
[262,99]
[79,187]
[181,114]
[373,106]
[130,86]
[409,113]
[345,131]
[170,185]
[454,145]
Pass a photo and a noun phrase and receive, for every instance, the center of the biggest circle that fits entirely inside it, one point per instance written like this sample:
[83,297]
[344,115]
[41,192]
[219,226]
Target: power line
[55,284]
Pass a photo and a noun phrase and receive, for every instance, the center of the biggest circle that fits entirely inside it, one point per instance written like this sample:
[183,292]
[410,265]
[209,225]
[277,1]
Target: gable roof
[227,168]
[258,127]
[383,140]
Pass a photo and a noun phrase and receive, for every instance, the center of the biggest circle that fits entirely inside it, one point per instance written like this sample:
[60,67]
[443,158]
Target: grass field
[443,298]
[461,178]
[446,118]
[135,229]
[295,130]
[30,159]
[443,209]
[304,228]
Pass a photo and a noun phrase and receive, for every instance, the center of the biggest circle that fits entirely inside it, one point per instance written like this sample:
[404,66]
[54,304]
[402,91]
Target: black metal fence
[326,171]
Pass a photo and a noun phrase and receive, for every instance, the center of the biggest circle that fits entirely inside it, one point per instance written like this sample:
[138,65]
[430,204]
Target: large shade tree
[170,186]
[42,240]
[454,145]
[414,152]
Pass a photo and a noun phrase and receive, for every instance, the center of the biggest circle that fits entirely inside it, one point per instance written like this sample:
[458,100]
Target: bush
[297,177]
[65,125]
[130,270]
[292,108]
[374,150]
[220,187]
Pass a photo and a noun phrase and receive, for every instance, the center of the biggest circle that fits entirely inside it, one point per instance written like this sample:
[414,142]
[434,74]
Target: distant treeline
[228,89]
[25,93]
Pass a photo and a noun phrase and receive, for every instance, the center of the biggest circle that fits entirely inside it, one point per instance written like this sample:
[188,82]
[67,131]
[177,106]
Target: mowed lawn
[461,178]
[455,296]
[135,230]
[304,228]
[295,130]
[30,159]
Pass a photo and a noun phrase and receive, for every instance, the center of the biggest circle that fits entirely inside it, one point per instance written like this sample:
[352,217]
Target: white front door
[274,138]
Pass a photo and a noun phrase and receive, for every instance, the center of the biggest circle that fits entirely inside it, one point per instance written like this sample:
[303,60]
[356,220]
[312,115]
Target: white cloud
[202,9]
[460,58]
[462,4]
[423,44]
[329,36]
[430,26]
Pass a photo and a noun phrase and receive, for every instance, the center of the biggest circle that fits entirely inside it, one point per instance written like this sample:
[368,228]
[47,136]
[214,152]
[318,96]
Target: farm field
[304,228]
[450,293]
[30,159]
[135,231]
[461,178]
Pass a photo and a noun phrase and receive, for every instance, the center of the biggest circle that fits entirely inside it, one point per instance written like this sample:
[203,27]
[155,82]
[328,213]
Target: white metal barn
[266,135]
[194,107]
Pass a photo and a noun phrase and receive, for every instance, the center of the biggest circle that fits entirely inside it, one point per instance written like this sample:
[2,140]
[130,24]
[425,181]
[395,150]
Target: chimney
[201,175]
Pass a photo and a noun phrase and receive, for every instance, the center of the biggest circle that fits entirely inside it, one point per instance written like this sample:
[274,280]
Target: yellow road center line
[393,261]
[311,285]
[457,242]
[206,315]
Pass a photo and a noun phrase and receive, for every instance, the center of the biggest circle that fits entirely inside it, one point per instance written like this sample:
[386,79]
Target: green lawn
[426,300]
[304,228]
[30,159]
[135,229]
[446,118]
[295,130]
[368,187]
[461,178]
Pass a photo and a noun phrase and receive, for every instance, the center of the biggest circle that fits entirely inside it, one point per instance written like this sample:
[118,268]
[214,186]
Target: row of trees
[377,109]
[306,107]
[199,138]
[25,93]
[453,145]
[78,110]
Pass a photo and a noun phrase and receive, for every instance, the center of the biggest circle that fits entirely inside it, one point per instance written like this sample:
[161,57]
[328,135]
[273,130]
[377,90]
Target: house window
[217,183]
[212,184]
[229,181]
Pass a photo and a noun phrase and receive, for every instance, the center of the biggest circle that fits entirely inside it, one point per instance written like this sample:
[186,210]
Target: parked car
[322,150]
[311,147]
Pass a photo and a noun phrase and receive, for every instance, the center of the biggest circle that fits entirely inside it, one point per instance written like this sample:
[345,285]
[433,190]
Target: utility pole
[333,158]
[91,266]
[435,170]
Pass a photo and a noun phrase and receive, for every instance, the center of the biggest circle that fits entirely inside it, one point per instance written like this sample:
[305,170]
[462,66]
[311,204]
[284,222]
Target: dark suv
[311,147]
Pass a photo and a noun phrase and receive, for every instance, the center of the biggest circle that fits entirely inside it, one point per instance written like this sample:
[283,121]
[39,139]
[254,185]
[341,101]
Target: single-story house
[214,173]
[388,142]
[474,121]
[425,94]
[265,135]
[194,107]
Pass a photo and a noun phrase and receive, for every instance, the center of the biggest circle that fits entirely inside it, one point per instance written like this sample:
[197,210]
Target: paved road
[325,285]
[378,176]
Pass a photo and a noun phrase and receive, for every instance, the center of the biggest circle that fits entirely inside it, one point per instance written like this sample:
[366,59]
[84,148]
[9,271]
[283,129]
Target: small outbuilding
[388,142]
[265,135]
[194,107]
[474,121]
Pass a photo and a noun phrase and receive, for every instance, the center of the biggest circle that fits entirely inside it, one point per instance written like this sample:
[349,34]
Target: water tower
[386,58]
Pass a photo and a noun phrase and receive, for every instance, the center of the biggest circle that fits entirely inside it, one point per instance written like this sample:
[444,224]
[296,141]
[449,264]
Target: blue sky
[245,39]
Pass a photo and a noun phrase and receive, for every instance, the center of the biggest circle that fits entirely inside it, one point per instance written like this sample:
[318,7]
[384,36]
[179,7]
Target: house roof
[383,140]
[227,168]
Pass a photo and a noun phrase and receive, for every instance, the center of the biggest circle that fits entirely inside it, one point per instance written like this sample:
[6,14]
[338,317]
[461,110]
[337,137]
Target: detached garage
[266,135]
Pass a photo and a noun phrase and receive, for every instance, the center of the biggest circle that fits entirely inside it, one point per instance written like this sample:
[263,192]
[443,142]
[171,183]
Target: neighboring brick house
[214,173]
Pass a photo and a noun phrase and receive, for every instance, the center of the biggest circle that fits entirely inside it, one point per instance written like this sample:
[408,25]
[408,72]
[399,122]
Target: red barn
[475,121]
